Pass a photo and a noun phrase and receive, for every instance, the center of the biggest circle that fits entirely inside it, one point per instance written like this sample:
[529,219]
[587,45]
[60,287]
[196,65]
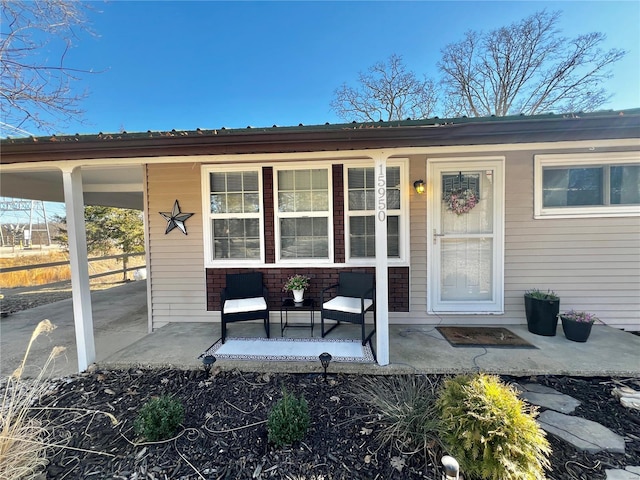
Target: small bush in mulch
[288,420]
[405,412]
[159,418]
[490,431]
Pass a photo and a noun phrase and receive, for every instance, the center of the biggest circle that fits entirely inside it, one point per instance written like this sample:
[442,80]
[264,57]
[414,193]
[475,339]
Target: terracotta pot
[576,331]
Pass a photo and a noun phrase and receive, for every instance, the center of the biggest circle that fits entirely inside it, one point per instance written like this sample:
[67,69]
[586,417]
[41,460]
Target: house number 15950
[382,194]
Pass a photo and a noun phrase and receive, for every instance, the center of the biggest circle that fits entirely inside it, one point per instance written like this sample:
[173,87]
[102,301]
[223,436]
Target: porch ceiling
[107,186]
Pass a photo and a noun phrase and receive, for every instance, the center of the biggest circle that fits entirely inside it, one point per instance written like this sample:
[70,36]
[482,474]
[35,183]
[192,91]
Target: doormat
[290,350]
[494,337]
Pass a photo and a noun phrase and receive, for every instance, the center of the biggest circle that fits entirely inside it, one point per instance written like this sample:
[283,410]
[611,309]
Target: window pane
[303,202]
[393,199]
[393,177]
[251,203]
[285,180]
[218,203]
[356,199]
[320,179]
[286,202]
[625,185]
[320,201]
[250,181]
[355,177]
[218,182]
[302,179]
[232,238]
[304,238]
[363,236]
[568,187]
[234,182]
[234,203]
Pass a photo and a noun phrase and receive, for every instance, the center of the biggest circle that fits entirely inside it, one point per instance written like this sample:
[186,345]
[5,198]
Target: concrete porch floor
[122,341]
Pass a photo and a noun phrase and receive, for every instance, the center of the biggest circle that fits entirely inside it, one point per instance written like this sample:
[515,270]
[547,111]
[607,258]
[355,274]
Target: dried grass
[26,435]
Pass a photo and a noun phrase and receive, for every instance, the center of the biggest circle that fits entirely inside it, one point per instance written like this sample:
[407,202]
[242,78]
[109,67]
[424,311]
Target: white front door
[465,223]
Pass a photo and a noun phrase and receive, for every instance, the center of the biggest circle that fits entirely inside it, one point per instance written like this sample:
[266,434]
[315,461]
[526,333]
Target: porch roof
[328,137]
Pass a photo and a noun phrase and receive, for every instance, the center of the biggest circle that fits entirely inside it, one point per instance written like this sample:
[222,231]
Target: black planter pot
[542,315]
[576,331]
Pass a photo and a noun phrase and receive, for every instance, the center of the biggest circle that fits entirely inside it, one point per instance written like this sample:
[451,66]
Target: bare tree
[387,92]
[35,90]
[528,68]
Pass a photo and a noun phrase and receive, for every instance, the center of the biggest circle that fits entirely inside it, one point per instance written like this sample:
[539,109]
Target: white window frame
[277,215]
[208,217]
[578,160]
[403,214]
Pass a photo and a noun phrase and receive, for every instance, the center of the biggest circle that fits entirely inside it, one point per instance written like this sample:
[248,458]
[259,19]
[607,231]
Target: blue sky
[186,65]
[204,64]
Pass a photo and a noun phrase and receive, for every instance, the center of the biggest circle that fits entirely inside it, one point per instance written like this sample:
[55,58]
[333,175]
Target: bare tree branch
[386,92]
[36,91]
[526,67]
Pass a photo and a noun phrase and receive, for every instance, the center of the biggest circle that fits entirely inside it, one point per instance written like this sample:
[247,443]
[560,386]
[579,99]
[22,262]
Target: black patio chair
[354,296]
[244,298]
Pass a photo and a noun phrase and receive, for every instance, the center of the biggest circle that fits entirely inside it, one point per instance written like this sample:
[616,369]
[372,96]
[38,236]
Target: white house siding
[178,292]
[592,263]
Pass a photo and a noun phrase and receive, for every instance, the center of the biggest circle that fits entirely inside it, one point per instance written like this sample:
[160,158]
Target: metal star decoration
[175,218]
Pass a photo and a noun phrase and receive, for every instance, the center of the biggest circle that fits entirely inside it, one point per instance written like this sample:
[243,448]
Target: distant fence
[123,257]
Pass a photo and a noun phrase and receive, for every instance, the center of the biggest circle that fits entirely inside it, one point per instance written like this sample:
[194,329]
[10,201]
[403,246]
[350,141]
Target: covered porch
[122,341]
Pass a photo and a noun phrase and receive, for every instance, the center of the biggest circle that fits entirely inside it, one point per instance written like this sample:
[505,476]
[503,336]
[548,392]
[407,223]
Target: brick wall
[338,214]
[269,227]
[321,278]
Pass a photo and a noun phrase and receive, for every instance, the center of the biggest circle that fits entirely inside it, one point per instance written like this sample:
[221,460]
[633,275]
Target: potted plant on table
[577,325]
[541,309]
[297,284]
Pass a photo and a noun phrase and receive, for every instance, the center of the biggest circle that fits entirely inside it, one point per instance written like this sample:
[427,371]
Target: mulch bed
[225,435]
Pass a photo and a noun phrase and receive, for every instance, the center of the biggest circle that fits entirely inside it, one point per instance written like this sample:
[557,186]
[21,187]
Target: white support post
[382,271]
[82,315]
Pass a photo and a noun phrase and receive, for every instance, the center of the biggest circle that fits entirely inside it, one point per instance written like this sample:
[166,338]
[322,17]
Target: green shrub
[405,411]
[288,420]
[490,431]
[159,418]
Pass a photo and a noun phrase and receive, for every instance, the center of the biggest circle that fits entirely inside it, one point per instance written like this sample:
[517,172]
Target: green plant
[159,418]
[405,410]
[540,295]
[296,282]
[288,420]
[490,431]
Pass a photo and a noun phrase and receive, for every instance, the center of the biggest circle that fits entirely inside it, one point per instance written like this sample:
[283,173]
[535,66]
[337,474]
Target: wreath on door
[461,200]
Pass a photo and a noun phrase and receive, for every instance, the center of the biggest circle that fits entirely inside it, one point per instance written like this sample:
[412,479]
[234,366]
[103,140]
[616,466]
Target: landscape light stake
[325,358]
[451,468]
[208,362]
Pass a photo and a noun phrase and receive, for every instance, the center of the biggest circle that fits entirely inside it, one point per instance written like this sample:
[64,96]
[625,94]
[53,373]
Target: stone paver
[548,398]
[581,433]
[629,473]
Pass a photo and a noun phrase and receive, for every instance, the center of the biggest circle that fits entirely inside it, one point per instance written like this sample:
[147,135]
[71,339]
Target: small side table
[288,305]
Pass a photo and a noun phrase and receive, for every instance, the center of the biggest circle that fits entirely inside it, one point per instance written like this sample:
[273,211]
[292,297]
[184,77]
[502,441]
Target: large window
[360,207]
[587,185]
[235,201]
[303,214]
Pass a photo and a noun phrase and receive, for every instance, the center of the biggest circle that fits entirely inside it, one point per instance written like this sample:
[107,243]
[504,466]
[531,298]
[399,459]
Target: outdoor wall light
[419,186]
[325,358]
[208,362]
